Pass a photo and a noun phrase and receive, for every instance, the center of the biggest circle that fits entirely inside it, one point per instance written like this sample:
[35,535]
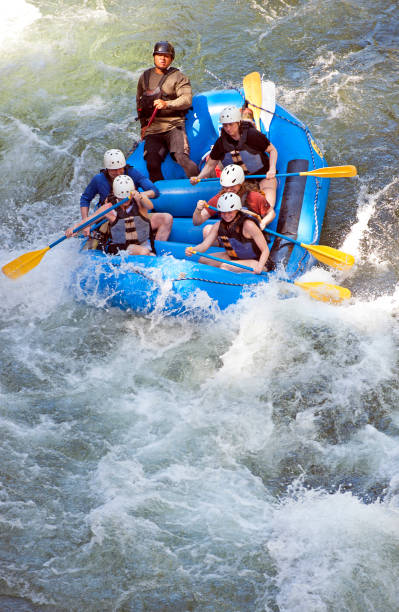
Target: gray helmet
[163,46]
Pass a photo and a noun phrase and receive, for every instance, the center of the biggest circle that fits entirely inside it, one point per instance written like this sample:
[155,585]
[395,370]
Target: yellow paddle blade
[325,292]
[253,93]
[331,257]
[332,172]
[24,263]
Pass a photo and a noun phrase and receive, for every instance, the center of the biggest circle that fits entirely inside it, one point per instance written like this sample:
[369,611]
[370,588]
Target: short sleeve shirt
[255,140]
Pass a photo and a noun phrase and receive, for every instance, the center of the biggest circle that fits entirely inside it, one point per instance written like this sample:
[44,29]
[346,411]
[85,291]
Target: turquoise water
[250,462]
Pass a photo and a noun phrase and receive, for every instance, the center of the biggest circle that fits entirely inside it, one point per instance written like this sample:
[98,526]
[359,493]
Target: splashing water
[245,461]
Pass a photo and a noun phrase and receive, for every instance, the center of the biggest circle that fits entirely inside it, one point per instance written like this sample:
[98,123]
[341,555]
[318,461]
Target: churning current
[242,462]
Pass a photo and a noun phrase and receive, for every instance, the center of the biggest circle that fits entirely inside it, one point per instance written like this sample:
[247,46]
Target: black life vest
[232,239]
[147,98]
[252,161]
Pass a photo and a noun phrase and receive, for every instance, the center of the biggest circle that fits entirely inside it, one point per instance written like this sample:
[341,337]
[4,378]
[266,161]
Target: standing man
[101,184]
[168,91]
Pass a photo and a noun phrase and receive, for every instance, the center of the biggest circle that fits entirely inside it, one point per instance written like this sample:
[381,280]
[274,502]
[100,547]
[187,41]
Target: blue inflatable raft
[170,282]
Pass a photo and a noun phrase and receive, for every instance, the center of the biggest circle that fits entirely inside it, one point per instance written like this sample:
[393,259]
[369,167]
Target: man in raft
[238,234]
[242,144]
[232,180]
[167,91]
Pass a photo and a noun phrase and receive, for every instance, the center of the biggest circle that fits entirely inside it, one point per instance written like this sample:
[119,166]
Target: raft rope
[183,277]
[207,280]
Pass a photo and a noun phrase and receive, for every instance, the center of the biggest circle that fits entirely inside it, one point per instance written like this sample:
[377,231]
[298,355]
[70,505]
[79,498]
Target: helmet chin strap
[163,70]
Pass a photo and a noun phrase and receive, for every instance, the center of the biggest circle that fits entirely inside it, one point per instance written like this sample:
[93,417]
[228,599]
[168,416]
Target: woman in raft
[252,198]
[239,234]
[128,226]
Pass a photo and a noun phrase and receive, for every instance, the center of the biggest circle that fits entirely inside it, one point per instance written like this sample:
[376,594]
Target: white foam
[95,105]
[15,17]
[367,203]
[329,551]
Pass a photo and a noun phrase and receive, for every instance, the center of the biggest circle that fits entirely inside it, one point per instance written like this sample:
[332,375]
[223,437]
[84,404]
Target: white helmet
[228,202]
[114,159]
[122,186]
[232,175]
[230,114]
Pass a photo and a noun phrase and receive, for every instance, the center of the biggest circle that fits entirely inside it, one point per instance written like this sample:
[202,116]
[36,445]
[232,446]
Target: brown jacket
[176,84]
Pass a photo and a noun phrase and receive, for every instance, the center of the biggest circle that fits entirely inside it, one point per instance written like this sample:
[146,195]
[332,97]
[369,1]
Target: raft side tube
[290,212]
[183,230]
[180,198]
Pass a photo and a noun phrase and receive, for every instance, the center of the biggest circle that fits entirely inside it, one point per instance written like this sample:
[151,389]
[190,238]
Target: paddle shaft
[232,263]
[327,255]
[311,288]
[88,222]
[238,265]
[269,231]
[324,172]
[151,118]
[278,175]
[145,127]
[257,176]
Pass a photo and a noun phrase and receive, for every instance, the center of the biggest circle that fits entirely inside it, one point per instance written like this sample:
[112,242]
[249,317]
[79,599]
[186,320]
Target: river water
[242,463]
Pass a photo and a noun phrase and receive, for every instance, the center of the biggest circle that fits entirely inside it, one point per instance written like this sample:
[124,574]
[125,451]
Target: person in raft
[241,143]
[232,180]
[101,185]
[128,226]
[238,234]
[168,91]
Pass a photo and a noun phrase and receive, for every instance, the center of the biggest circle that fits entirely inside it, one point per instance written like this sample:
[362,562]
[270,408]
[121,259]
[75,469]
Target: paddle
[154,112]
[26,262]
[323,292]
[145,127]
[268,89]
[325,254]
[326,172]
[253,93]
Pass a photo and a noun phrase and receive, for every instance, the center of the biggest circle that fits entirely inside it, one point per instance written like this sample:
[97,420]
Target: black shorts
[174,141]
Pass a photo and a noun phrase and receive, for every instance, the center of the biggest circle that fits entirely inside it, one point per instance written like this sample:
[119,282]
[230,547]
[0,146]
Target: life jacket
[232,239]
[129,227]
[148,97]
[251,160]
